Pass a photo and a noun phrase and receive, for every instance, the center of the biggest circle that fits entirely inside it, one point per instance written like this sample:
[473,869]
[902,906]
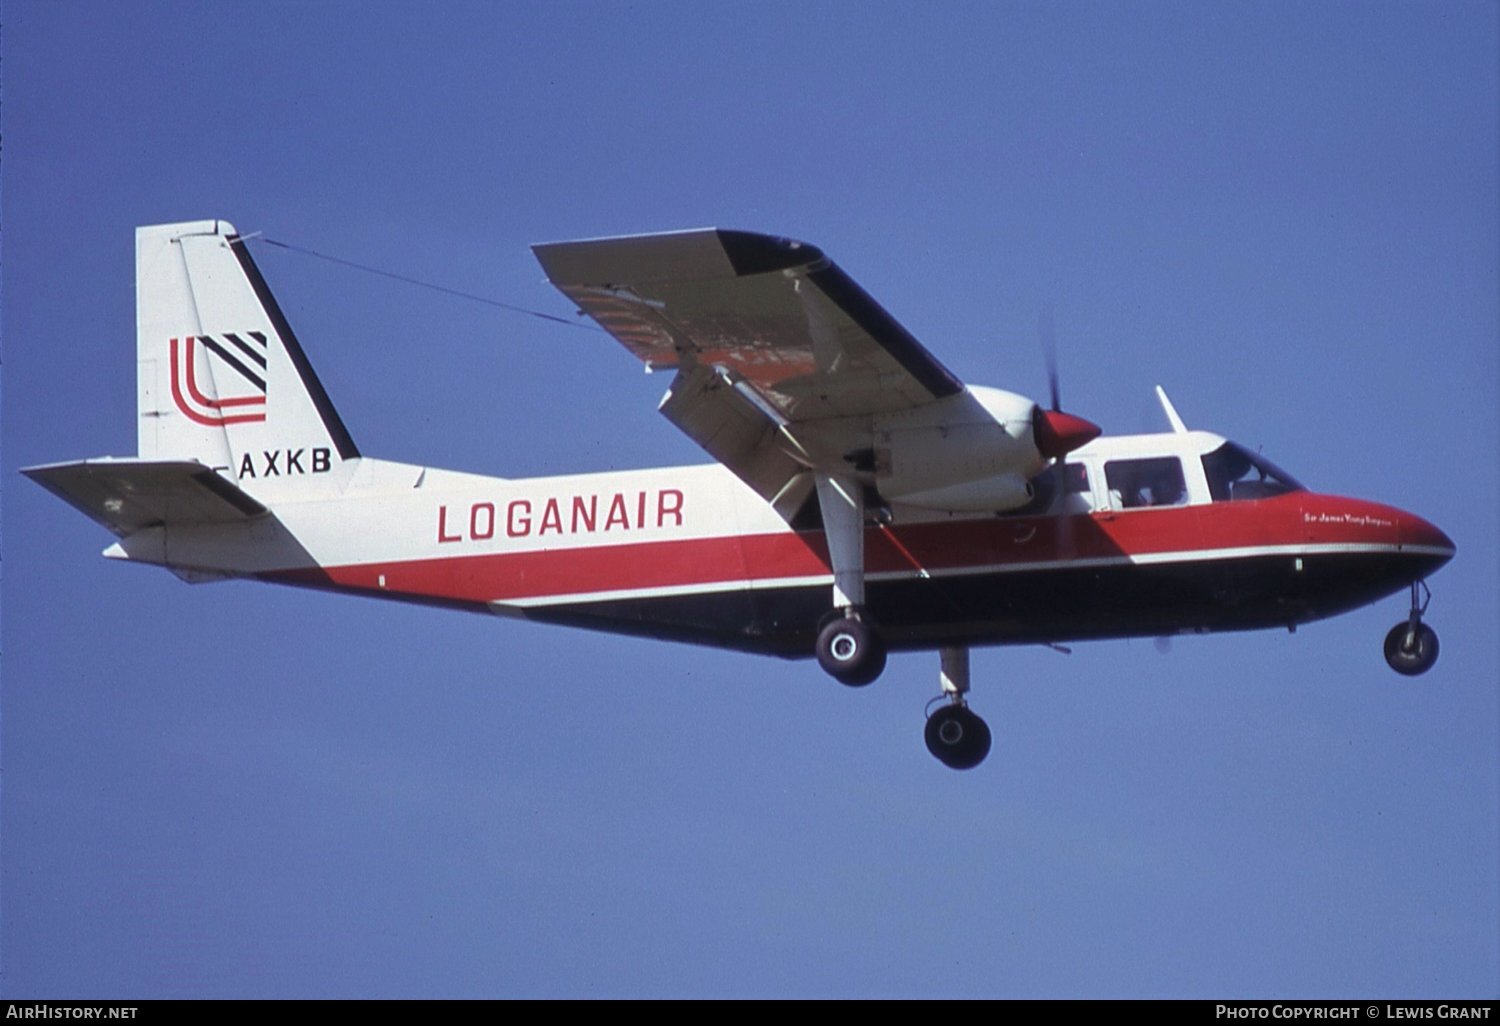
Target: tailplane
[221,379]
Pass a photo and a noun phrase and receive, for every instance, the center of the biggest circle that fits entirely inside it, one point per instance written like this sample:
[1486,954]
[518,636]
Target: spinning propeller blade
[1057,433]
[1047,330]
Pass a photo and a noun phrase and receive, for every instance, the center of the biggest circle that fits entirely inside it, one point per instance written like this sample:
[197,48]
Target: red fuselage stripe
[1292,520]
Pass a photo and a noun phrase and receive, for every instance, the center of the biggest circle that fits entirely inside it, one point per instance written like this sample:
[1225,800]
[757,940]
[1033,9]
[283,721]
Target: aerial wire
[486,300]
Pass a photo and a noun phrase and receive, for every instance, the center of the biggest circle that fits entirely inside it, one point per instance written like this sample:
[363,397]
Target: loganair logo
[241,385]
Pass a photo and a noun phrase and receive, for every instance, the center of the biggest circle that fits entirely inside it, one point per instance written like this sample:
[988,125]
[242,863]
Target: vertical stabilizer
[221,378]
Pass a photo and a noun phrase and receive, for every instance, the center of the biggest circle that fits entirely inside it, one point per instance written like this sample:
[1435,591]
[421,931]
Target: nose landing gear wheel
[1411,649]
[850,652]
[957,737]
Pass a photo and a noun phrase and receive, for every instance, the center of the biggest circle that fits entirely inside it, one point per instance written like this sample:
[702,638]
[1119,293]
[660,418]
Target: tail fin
[220,376]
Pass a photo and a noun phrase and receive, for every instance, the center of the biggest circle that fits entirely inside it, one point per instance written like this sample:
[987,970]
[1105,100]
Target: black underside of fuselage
[1052,604]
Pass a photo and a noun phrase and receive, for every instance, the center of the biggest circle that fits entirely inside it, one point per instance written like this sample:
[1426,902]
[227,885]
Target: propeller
[1057,433]
[1047,331]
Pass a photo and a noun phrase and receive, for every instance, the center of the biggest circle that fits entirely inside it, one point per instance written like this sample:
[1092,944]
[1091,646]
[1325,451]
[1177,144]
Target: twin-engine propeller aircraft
[864,498]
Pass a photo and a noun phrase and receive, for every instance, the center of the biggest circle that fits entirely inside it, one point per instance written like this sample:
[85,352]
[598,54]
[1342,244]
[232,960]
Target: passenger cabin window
[1136,484]
[1235,474]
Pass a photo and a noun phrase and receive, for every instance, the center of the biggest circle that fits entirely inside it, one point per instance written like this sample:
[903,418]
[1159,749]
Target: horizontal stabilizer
[126,495]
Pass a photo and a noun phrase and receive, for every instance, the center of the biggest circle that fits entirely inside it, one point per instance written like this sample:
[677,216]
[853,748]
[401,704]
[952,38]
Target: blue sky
[1286,214]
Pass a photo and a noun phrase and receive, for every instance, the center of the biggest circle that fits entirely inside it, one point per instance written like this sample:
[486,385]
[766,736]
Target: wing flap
[127,495]
[734,430]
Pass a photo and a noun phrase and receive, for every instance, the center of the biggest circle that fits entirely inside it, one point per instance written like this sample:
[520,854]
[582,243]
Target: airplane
[863,499]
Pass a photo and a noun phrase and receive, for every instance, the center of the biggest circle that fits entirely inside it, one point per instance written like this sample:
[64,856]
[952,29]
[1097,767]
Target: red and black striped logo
[241,385]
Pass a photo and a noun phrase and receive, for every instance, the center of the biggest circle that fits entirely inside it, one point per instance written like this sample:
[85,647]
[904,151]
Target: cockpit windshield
[1235,474]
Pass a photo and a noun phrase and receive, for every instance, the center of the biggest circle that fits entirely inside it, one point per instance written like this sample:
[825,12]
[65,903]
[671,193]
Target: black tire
[850,652]
[1411,654]
[957,737]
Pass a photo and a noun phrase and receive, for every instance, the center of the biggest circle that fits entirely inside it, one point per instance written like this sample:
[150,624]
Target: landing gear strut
[955,734]
[851,650]
[1411,647]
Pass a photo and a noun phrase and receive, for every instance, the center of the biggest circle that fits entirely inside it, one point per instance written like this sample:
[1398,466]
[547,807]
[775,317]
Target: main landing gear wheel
[1411,649]
[850,651]
[957,737]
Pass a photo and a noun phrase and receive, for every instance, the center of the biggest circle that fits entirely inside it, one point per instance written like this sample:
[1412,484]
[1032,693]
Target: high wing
[773,344]
[775,313]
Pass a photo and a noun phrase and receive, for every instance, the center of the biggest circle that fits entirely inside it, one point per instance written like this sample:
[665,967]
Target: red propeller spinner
[1058,433]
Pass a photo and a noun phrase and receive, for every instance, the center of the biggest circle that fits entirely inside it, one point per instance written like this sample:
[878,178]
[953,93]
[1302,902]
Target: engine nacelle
[989,494]
[972,453]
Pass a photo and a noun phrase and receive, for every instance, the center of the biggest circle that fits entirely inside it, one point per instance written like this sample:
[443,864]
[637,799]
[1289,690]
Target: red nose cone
[1058,433]
[1416,532]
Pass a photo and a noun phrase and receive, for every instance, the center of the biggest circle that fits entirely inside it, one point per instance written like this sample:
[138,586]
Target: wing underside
[774,313]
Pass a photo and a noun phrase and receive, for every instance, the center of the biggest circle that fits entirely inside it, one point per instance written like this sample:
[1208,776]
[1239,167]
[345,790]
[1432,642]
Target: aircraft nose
[1417,534]
[1419,547]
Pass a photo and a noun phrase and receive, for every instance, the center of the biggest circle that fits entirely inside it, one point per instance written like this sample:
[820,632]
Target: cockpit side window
[1235,474]
[1136,484]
